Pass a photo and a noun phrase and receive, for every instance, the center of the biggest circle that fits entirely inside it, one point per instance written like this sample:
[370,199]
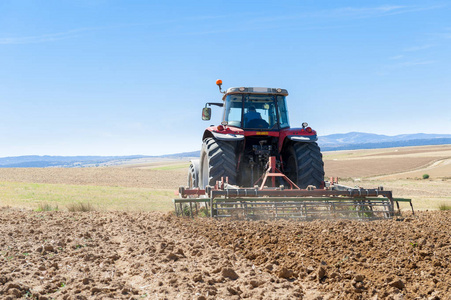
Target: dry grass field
[107,188]
[148,186]
[398,169]
[393,163]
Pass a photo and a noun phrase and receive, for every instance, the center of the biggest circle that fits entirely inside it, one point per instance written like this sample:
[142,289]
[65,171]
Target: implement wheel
[217,160]
[304,165]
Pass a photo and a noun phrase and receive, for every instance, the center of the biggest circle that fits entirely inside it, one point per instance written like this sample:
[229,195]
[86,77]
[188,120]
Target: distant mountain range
[345,141]
[361,140]
[36,161]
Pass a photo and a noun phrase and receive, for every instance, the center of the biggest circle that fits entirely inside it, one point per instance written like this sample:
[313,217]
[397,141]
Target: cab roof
[255,90]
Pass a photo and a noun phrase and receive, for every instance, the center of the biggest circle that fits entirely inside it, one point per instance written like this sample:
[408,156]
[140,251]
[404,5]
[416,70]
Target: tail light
[220,128]
[309,129]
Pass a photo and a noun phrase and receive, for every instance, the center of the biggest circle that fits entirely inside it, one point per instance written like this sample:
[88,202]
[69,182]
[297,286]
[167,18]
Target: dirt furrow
[115,255]
[388,259]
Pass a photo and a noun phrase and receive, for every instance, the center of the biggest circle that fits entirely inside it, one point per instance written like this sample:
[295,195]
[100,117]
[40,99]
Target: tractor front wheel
[193,174]
[217,160]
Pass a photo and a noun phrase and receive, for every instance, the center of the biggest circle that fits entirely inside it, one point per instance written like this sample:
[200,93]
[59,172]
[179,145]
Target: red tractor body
[254,128]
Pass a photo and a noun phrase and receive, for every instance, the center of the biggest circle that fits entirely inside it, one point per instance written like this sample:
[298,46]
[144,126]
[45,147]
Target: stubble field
[122,251]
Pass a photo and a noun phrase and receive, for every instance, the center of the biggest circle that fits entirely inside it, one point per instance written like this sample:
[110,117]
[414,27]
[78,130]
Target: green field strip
[31,195]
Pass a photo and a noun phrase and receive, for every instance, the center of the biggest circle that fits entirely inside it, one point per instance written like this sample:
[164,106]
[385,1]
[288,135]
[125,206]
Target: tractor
[255,126]
[255,143]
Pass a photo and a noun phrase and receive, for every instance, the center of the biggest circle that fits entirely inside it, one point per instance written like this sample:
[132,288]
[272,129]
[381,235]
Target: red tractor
[254,128]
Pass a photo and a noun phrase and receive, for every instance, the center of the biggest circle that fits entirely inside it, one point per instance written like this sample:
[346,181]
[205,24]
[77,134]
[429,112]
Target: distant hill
[361,140]
[36,161]
[182,155]
[342,141]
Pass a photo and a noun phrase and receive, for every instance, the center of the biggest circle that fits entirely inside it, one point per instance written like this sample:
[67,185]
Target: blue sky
[131,77]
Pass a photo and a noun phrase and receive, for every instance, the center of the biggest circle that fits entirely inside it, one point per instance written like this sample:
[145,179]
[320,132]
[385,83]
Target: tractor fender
[293,135]
[230,134]
[303,138]
[283,143]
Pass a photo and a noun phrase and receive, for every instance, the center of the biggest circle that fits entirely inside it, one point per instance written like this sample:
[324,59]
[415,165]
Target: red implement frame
[272,172]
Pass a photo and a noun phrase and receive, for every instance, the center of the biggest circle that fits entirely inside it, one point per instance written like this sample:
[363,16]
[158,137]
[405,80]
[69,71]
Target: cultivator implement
[333,201]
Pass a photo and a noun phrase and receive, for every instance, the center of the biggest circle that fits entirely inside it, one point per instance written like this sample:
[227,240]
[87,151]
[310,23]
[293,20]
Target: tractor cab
[255,108]
[252,108]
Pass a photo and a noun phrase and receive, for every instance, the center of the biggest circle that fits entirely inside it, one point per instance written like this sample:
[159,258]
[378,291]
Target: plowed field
[119,255]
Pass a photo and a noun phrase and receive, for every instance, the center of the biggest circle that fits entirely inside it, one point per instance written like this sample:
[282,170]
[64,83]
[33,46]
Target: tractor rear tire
[217,160]
[305,165]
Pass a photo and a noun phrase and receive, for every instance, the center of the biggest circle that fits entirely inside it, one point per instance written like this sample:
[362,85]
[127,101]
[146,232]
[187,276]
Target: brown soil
[441,149]
[390,259]
[56,255]
[371,167]
[118,255]
[377,162]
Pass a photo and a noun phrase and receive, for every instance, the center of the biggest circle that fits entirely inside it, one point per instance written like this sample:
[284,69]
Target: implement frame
[334,201]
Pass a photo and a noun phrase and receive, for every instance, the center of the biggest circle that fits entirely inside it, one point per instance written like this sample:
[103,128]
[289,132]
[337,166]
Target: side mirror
[206,113]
